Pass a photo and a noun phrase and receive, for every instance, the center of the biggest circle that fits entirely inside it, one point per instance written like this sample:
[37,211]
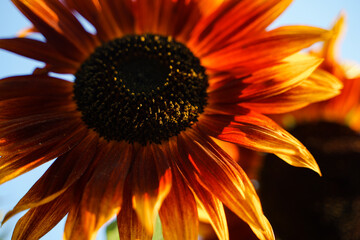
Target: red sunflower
[133,135]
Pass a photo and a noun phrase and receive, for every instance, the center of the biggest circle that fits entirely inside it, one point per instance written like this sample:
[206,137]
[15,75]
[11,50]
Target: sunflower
[343,109]
[155,84]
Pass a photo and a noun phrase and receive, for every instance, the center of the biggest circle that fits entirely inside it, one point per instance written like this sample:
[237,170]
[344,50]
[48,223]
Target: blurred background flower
[327,207]
[299,204]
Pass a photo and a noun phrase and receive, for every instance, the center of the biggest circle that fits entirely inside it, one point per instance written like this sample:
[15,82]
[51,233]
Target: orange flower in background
[133,135]
[344,108]
[334,146]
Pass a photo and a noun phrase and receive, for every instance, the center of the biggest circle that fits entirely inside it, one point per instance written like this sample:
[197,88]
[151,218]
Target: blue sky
[319,13]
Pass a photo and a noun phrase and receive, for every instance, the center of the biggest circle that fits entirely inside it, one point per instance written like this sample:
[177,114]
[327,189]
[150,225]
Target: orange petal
[102,196]
[224,178]
[345,104]
[343,109]
[266,82]
[255,131]
[59,26]
[151,183]
[249,160]
[331,47]
[62,174]
[129,224]
[214,210]
[208,6]
[178,213]
[26,32]
[39,51]
[72,217]
[209,205]
[232,21]
[264,50]
[38,221]
[319,86]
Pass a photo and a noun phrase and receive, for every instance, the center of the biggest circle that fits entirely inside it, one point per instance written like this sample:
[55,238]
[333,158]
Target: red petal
[59,26]
[36,148]
[105,16]
[235,20]
[39,51]
[64,172]
[21,136]
[178,213]
[151,183]
[224,178]
[209,204]
[35,86]
[103,193]
[38,221]
[128,222]
[174,18]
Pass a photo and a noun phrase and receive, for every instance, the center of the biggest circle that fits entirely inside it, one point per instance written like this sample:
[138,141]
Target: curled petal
[257,132]
[26,31]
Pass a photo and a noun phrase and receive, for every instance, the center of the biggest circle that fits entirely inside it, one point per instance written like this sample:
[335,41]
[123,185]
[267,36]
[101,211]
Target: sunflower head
[141,88]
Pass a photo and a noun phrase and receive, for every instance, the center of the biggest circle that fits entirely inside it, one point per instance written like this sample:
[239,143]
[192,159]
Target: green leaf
[158,230]
[112,232]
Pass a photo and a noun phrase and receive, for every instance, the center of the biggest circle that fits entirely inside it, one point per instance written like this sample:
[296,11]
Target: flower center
[141,88]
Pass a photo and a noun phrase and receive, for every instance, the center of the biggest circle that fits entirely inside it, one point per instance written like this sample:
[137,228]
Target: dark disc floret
[141,88]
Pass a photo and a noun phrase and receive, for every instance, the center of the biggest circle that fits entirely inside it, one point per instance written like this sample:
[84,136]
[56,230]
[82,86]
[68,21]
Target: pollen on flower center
[141,88]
